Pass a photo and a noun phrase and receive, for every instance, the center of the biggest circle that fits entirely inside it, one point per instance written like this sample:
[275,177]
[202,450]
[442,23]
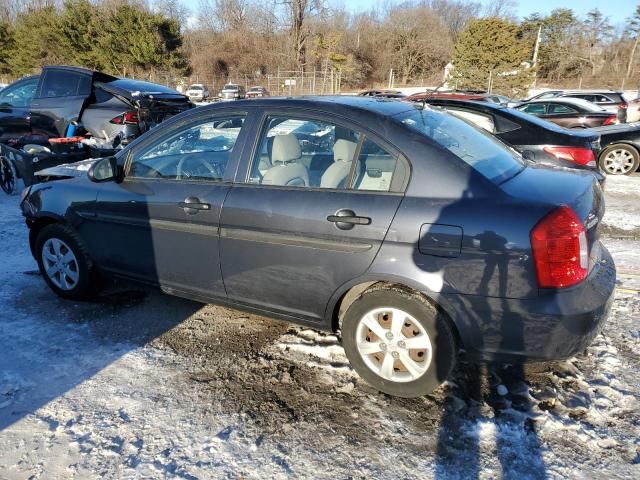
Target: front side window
[19,95]
[479,149]
[199,151]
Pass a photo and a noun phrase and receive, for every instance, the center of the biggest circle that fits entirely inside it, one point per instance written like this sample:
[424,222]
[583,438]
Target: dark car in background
[569,112]
[620,153]
[413,232]
[112,110]
[536,139]
[609,100]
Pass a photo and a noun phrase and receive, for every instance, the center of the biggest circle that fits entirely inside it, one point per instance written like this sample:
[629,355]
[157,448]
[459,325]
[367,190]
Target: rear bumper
[553,326]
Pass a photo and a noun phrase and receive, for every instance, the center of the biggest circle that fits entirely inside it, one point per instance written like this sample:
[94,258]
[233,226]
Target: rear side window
[559,108]
[60,83]
[533,108]
[481,150]
[314,153]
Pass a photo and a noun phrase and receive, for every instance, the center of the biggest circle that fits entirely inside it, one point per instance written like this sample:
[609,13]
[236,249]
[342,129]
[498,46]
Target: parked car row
[231,91]
[406,228]
[618,152]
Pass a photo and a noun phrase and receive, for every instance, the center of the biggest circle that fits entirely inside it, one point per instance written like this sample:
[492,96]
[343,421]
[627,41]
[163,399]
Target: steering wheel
[181,173]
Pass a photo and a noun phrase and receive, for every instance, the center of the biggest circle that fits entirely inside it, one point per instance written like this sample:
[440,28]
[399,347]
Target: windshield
[479,149]
[195,87]
[231,87]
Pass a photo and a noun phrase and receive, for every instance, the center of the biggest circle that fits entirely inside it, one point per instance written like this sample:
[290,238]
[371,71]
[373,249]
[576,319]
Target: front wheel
[64,262]
[619,160]
[398,342]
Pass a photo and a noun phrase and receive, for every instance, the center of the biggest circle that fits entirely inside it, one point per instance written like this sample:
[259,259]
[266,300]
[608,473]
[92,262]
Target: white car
[633,111]
[197,92]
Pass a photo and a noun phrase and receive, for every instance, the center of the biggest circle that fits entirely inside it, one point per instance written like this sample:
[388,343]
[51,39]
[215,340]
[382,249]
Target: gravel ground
[136,384]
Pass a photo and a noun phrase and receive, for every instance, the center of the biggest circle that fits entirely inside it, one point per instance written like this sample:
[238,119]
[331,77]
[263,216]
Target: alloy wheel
[618,162]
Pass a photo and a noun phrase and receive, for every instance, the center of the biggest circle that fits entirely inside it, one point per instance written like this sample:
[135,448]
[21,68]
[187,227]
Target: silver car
[232,91]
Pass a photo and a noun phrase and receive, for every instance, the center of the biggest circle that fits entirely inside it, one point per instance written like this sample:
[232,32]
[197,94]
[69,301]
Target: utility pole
[390,78]
[536,50]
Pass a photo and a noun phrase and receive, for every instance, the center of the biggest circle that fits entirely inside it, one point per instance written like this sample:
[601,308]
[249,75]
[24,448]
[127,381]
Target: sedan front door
[15,103]
[161,224]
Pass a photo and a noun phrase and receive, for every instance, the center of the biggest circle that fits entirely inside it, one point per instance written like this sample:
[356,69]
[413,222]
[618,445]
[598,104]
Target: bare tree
[501,9]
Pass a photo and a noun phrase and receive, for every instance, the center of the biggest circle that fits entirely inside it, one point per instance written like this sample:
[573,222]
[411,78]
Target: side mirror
[105,170]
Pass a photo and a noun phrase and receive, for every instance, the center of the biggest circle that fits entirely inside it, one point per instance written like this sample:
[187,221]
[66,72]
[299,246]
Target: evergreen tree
[491,52]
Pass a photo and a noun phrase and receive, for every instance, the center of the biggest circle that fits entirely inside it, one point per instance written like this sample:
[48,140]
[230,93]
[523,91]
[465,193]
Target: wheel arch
[37,225]
[615,143]
[349,292]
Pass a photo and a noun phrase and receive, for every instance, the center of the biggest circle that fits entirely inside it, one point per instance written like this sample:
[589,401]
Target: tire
[620,159]
[410,372]
[64,262]
[8,176]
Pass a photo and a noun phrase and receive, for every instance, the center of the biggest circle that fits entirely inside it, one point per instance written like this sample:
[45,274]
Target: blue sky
[616,10]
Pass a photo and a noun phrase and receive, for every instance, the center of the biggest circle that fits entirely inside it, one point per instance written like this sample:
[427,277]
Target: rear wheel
[64,262]
[398,342]
[619,160]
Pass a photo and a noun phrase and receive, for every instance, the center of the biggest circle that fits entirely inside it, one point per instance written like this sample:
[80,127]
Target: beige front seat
[287,169]
[337,173]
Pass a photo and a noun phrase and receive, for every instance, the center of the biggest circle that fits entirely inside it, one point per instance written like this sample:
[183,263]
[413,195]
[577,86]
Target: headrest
[286,148]
[343,150]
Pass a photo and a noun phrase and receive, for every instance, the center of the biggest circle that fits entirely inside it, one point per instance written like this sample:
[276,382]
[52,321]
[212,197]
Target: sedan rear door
[305,217]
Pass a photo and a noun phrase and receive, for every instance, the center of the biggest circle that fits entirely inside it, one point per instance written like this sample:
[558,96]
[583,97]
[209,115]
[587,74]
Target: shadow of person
[487,408]
[497,256]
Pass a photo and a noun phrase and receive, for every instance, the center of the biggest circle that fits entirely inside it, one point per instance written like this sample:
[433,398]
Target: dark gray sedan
[414,233]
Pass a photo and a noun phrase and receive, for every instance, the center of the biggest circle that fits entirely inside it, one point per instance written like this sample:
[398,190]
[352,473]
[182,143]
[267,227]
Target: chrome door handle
[193,205]
[347,219]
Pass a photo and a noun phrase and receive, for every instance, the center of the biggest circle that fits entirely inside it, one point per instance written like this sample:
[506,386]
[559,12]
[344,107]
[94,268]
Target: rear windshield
[231,87]
[479,149]
[196,87]
[140,86]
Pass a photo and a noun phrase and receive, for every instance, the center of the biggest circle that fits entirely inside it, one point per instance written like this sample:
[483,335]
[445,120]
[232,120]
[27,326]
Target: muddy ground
[136,384]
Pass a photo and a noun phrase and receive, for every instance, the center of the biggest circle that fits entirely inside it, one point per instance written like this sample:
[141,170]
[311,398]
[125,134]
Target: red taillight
[610,120]
[581,156]
[560,249]
[127,118]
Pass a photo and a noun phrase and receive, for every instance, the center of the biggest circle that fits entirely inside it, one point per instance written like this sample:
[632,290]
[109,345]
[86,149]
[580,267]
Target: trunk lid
[551,188]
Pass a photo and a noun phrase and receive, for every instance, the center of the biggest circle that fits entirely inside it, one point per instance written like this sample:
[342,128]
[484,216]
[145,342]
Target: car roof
[452,95]
[588,92]
[579,102]
[376,105]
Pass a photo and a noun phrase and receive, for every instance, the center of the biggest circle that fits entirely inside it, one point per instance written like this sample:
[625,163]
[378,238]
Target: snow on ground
[136,384]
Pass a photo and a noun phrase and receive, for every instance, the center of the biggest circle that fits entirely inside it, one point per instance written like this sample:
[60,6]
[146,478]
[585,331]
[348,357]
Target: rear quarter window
[479,149]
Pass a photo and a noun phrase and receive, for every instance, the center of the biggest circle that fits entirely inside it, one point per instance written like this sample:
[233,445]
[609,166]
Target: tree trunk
[631,55]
